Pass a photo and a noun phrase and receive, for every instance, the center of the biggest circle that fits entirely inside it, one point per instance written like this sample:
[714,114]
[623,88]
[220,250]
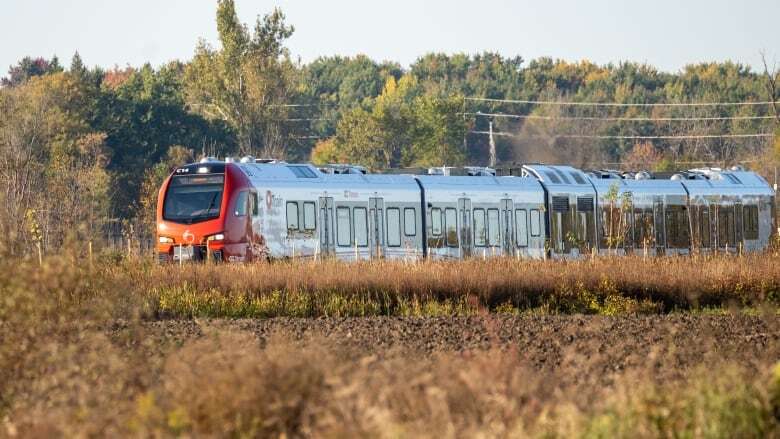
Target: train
[247,209]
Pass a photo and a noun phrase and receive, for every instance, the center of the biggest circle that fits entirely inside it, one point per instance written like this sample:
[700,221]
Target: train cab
[198,207]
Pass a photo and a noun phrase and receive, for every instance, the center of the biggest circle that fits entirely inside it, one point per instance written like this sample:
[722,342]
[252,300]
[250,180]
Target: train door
[464,209]
[658,215]
[376,208]
[326,226]
[256,250]
[560,224]
[585,223]
[507,225]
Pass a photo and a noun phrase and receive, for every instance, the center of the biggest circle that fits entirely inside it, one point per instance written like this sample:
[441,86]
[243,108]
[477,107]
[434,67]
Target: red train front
[202,214]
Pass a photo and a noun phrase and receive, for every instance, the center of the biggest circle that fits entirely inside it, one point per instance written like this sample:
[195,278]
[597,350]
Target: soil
[598,348]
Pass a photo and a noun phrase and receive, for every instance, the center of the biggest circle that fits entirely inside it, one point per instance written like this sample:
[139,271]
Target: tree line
[81,145]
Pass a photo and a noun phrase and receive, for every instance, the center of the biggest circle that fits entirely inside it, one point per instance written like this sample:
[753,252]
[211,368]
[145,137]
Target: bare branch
[771,85]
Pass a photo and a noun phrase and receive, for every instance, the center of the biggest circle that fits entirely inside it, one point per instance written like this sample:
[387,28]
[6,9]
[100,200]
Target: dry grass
[603,286]
[60,374]
[226,384]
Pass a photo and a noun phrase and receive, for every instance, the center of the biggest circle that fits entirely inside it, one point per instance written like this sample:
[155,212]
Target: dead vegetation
[608,286]
[65,370]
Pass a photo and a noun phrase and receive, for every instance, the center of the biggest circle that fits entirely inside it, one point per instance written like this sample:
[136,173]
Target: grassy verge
[609,286]
[606,286]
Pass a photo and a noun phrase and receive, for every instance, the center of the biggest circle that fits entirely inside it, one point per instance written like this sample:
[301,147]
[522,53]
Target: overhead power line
[625,104]
[676,162]
[302,119]
[618,119]
[321,104]
[585,136]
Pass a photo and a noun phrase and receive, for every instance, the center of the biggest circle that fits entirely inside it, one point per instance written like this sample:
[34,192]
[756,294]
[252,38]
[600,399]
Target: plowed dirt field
[583,349]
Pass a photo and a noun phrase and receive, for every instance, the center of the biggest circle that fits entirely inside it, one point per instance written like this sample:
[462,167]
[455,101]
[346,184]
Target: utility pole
[492,145]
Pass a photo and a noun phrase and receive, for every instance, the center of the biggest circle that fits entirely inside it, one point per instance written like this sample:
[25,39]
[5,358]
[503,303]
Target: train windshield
[193,198]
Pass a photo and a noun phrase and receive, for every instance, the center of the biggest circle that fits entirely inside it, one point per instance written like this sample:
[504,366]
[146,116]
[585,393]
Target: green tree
[360,139]
[403,128]
[438,132]
[143,114]
[247,81]
[53,164]
[28,68]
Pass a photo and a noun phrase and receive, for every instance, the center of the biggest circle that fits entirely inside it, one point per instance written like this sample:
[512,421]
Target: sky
[665,33]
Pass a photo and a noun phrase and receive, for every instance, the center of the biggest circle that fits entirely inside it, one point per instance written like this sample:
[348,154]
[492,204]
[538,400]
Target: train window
[451,226]
[750,221]
[671,227]
[255,204]
[628,229]
[726,226]
[494,228]
[521,227]
[410,222]
[677,227]
[536,223]
[582,226]
[360,221]
[343,227]
[705,227]
[480,237]
[309,216]
[436,223]
[241,202]
[645,236]
[394,227]
[585,221]
[292,215]
[614,227]
[684,230]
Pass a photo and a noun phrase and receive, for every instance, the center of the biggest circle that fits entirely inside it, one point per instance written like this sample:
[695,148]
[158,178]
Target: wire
[621,104]
[321,104]
[578,136]
[618,119]
[676,162]
[303,119]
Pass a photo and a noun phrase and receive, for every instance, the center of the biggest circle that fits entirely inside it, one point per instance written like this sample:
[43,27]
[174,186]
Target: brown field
[599,348]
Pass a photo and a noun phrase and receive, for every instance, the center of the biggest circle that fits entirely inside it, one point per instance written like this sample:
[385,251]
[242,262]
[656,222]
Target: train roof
[556,175]
[639,187]
[490,182]
[700,181]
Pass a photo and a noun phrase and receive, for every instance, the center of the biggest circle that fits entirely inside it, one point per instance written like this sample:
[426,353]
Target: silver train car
[276,210]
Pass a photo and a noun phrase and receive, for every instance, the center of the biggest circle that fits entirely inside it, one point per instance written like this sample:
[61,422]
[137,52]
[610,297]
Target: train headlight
[217,237]
[166,240]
